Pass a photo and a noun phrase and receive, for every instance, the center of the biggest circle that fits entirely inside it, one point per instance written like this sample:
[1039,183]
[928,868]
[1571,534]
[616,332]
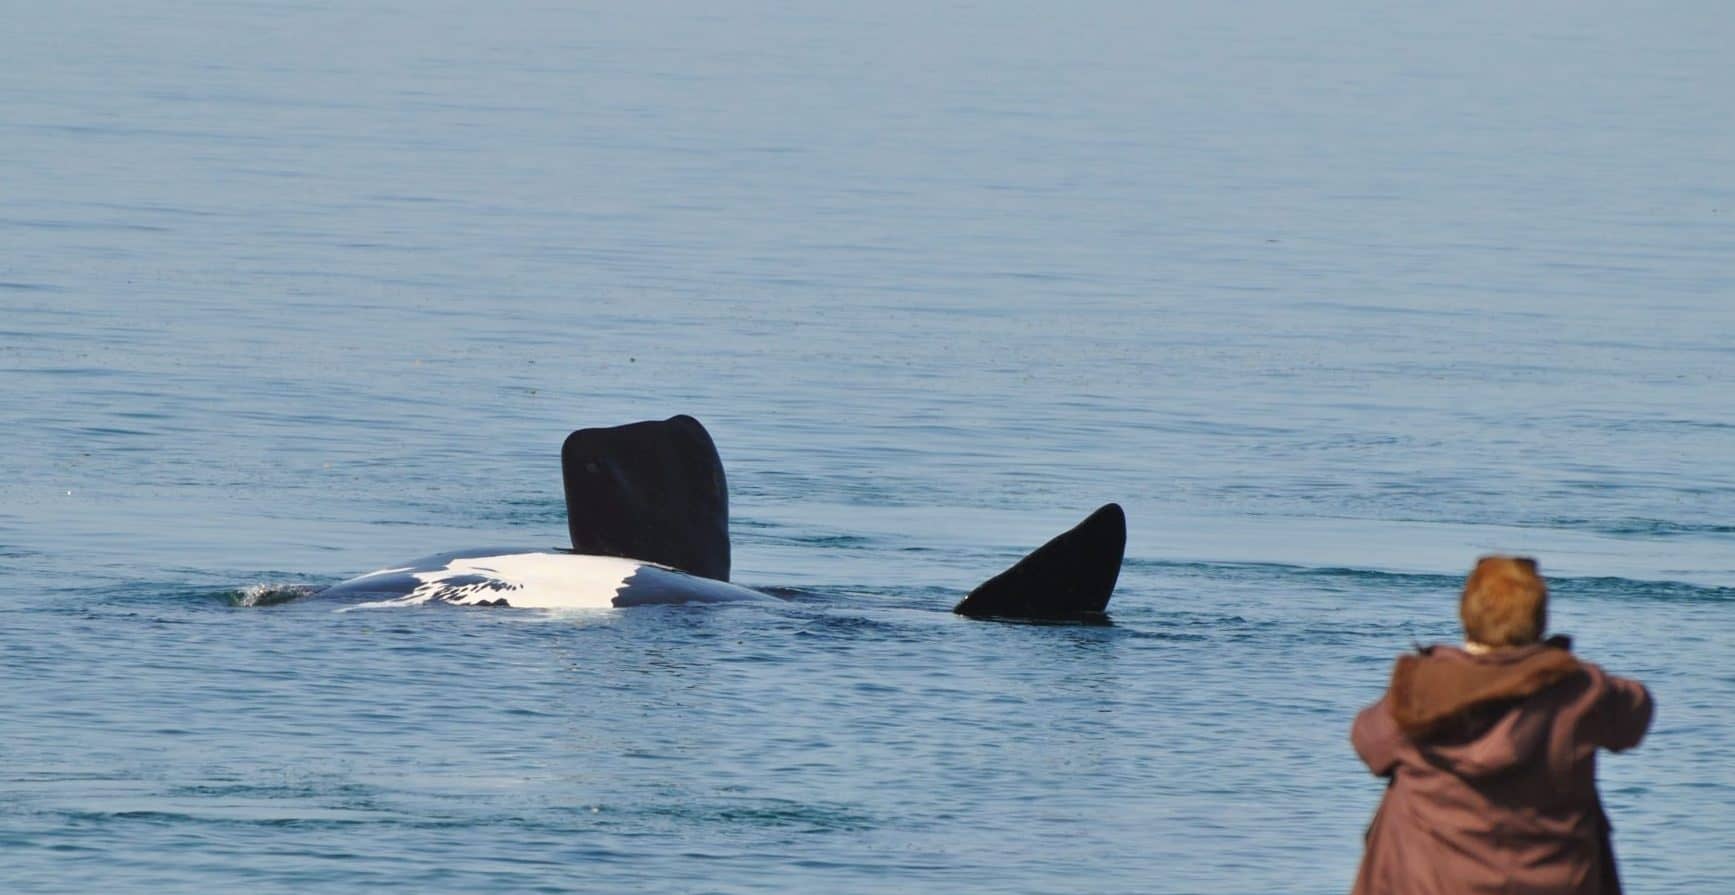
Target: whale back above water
[648,514]
[534,579]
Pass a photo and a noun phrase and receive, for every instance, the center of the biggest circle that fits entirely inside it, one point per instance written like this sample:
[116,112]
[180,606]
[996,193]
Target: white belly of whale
[535,580]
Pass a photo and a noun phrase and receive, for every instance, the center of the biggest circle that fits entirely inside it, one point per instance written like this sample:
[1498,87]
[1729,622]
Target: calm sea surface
[1331,296]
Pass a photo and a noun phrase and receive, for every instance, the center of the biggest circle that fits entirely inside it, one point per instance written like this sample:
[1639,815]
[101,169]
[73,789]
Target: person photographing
[1490,754]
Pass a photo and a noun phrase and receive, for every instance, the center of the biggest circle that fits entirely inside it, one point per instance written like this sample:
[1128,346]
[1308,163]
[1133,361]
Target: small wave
[1627,588]
[1642,528]
[766,813]
[270,594]
[1661,587]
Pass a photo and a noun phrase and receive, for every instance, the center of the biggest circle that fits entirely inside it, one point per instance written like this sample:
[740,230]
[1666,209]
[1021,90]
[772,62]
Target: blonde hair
[1505,602]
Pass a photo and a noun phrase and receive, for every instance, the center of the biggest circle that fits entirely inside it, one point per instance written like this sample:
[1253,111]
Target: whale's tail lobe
[1071,576]
[649,491]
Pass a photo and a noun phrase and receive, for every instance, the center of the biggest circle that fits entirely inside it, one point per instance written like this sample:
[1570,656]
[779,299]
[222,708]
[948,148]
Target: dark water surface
[1331,301]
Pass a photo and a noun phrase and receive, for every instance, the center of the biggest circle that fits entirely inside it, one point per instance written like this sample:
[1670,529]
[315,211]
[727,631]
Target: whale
[648,521]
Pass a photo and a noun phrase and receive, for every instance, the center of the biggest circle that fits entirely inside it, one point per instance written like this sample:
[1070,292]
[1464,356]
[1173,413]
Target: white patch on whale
[536,580]
[526,580]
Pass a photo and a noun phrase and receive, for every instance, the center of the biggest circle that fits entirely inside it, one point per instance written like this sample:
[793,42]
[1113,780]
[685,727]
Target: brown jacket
[1492,767]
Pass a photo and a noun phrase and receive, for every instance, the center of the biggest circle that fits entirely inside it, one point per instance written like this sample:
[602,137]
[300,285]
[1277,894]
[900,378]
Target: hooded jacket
[1491,761]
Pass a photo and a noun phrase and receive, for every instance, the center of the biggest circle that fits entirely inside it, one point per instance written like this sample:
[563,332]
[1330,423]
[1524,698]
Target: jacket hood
[1462,709]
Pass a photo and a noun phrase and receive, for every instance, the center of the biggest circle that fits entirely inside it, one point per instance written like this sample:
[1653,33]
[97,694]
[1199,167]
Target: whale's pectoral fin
[650,491]
[1071,576]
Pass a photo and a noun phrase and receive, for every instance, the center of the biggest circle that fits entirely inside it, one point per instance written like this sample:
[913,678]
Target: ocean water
[1331,297]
